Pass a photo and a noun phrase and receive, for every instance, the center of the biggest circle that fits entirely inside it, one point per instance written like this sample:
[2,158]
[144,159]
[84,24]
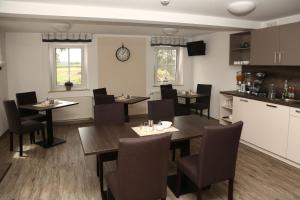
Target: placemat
[144,132]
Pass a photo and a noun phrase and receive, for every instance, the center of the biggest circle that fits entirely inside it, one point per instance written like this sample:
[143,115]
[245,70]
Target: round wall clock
[123,53]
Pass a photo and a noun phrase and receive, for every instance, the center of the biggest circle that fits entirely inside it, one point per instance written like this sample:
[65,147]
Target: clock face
[123,54]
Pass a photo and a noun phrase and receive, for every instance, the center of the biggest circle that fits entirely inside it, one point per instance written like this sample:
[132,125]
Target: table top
[58,104]
[191,96]
[132,100]
[105,139]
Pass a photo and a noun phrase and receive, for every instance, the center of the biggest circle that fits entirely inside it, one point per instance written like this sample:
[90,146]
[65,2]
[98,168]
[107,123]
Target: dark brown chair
[29,98]
[216,160]
[142,169]
[21,127]
[100,91]
[104,99]
[161,110]
[202,102]
[180,109]
[109,114]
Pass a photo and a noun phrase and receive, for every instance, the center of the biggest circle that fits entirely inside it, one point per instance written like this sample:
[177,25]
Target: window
[166,67]
[68,64]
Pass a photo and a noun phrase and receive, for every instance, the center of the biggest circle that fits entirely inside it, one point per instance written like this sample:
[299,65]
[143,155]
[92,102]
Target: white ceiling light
[62,27]
[164,2]
[170,31]
[241,8]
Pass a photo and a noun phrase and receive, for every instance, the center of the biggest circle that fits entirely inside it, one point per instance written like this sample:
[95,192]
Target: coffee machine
[257,83]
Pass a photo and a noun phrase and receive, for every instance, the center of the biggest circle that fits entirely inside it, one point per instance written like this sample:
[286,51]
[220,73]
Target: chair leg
[201,112]
[33,137]
[21,143]
[109,195]
[178,183]
[208,113]
[97,165]
[11,136]
[230,189]
[30,137]
[199,194]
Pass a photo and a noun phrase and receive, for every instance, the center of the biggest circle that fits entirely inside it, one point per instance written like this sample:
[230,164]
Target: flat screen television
[196,48]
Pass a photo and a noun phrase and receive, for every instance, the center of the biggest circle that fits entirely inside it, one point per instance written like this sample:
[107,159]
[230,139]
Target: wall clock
[123,53]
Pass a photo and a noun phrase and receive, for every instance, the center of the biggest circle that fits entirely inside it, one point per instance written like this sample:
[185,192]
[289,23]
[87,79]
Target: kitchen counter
[263,99]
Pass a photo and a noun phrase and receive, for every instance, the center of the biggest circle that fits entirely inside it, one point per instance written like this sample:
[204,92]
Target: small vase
[68,88]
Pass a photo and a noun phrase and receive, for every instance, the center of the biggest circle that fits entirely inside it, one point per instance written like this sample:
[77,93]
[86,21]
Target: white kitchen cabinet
[293,150]
[265,125]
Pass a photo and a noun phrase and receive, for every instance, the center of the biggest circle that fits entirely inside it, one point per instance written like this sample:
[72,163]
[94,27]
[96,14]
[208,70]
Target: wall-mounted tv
[196,48]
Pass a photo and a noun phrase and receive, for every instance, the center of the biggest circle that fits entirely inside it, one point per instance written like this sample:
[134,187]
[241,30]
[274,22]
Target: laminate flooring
[64,173]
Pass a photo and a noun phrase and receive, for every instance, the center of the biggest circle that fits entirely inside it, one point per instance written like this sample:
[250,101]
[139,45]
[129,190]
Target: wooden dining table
[128,101]
[51,140]
[103,141]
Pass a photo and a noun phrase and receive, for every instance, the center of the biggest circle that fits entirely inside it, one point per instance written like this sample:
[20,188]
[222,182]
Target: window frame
[53,77]
[177,71]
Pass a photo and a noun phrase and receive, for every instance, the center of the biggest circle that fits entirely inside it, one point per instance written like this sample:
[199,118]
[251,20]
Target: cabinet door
[289,44]
[293,149]
[264,46]
[272,127]
[243,111]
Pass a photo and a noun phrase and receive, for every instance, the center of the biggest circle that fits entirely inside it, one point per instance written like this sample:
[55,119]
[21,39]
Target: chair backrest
[143,167]
[100,91]
[204,89]
[218,153]
[161,110]
[13,116]
[169,94]
[166,86]
[109,114]
[26,98]
[104,99]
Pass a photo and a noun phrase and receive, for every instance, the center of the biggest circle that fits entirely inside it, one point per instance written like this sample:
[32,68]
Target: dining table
[129,100]
[48,107]
[189,96]
[103,140]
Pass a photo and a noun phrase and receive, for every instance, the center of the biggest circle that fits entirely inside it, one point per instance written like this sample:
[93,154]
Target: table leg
[126,112]
[185,148]
[188,103]
[51,140]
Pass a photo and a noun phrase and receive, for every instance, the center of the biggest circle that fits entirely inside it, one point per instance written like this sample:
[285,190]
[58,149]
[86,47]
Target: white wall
[214,68]
[28,70]
[3,85]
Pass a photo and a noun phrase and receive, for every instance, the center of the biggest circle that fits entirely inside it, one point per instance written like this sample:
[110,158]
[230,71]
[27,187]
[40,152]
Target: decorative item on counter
[239,80]
[291,92]
[68,85]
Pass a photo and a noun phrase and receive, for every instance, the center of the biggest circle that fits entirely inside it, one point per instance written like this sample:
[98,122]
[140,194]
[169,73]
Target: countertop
[263,99]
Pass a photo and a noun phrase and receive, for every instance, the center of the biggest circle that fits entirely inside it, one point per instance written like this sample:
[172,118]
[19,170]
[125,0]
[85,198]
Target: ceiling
[266,9]
[37,26]
[138,17]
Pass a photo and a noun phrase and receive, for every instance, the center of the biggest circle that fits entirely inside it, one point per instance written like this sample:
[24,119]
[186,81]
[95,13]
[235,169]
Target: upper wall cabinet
[278,45]
[265,45]
[240,48]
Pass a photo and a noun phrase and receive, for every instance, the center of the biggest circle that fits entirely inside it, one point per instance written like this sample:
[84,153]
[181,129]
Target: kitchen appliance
[240,78]
[257,83]
[248,82]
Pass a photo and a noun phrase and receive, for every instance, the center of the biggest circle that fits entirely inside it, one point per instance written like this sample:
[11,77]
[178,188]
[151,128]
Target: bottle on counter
[292,92]
[285,90]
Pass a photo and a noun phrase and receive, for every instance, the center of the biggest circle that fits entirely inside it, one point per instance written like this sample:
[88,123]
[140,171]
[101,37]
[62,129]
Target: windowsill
[73,90]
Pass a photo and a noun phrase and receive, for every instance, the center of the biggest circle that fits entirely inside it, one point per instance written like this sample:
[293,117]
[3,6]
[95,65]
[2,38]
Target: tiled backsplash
[277,75]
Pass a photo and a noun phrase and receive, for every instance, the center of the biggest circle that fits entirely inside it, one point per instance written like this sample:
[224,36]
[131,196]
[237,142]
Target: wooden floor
[63,172]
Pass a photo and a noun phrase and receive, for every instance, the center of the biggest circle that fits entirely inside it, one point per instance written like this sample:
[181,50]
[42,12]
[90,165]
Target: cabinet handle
[279,57]
[297,111]
[275,57]
[244,100]
[272,106]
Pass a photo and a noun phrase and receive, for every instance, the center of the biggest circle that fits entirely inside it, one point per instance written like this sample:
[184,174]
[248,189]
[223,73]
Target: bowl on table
[166,124]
